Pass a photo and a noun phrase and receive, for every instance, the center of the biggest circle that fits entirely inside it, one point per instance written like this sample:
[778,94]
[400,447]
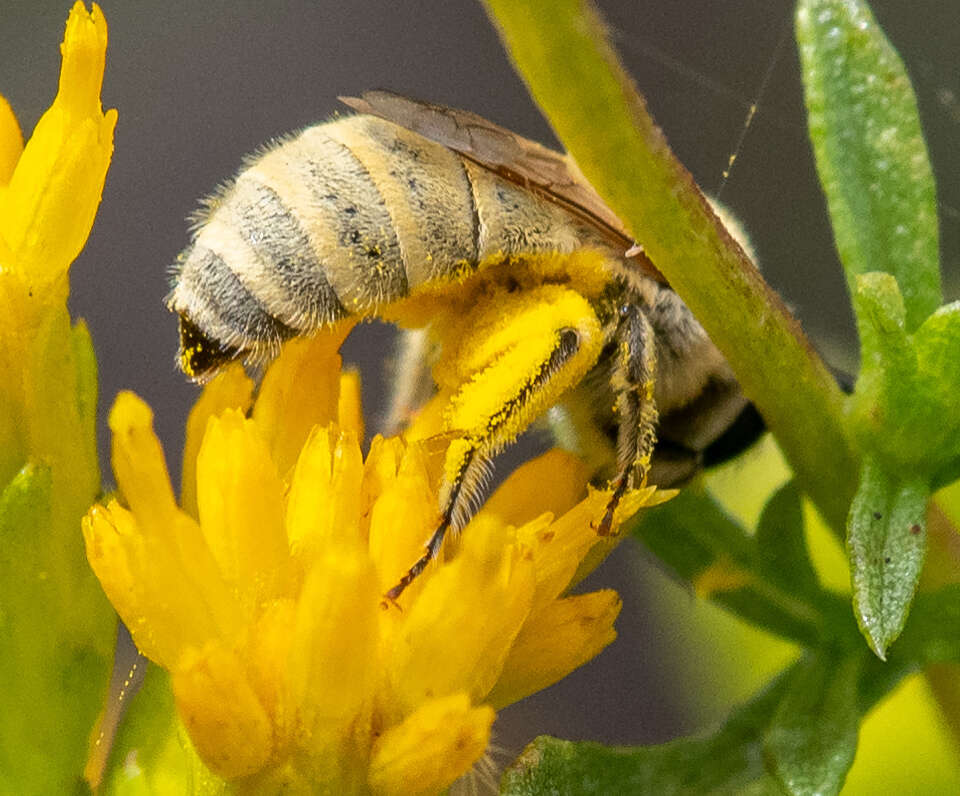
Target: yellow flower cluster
[58,629]
[49,193]
[263,593]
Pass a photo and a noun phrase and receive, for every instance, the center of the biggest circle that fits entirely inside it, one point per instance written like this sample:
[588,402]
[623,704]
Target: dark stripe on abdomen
[306,299]
[222,307]
[361,254]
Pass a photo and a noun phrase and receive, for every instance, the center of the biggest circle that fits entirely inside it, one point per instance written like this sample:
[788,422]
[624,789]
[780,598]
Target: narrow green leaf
[782,545]
[905,411]
[812,739]
[870,152]
[886,543]
[887,384]
[937,344]
[87,387]
[24,511]
[728,761]
[906,408]
[560,49]
[704,546]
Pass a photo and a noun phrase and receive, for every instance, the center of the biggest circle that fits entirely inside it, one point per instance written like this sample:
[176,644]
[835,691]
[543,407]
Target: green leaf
[906,408]
[152,754]
[886,543]
[782,545]
[703,545]
[728,761]
[812,739]
[887,383]
[870,152]
[85,359]
[937,343]
[53,674]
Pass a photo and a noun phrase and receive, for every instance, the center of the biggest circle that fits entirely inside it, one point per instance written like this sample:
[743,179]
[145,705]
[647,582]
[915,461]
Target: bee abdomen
[424,189]
[342,219]
[284,271]
[209,292]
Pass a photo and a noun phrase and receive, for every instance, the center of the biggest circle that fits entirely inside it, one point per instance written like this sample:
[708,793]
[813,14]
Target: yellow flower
[58,630]
[49,193]
[263,594]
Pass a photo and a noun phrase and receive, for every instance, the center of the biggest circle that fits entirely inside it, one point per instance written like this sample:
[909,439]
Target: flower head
[58,630]
[262,594]
[49,193]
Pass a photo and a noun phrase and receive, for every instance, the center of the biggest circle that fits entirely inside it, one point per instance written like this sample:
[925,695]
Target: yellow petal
[322,509]
[457,633]
[141,473]
[556,640]
[145,582]
[333,657]
[349,407]
[52,197]
[138,461]
[231,389]
[552,482]
[560,546]
[240,503]
[403,517]
[267,651]
[11,142]
[227,724]
[632,502]
[379,469]
[431,749]
[84,55]
[300,390]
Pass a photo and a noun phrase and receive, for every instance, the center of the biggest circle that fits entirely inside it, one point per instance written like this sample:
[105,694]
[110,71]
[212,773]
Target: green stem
[560,49]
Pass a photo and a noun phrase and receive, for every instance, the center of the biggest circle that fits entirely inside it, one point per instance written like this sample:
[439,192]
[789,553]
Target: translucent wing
[550,174]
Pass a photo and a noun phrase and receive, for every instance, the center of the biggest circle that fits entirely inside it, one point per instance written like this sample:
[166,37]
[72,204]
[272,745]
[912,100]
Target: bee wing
[550,174]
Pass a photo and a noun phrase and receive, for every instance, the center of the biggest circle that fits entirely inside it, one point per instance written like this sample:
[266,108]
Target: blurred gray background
[198,85]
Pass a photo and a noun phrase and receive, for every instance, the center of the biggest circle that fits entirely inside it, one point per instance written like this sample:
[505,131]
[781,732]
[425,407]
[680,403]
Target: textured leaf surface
[729,761]
[870,152]
[886,542]
[907,403]
[812,739]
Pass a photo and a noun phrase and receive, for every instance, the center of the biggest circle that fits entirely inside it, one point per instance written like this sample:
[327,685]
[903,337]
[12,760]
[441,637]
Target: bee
[530,296]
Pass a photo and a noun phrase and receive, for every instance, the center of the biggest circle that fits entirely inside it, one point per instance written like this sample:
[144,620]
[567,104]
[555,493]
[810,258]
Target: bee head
[201,356]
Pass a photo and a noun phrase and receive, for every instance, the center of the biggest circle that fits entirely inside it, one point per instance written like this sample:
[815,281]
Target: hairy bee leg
[432,549]
[633,381]
[412,380]
[511,364]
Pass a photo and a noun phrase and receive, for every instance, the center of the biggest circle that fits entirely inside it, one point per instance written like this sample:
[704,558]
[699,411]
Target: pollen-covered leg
[512,359]
[633,381]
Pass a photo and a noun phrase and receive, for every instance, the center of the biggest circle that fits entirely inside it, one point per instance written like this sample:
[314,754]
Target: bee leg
[412,380]
[633,380]
[514,357]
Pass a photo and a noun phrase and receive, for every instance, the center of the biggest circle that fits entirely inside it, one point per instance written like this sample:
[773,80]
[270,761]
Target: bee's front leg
[632,379]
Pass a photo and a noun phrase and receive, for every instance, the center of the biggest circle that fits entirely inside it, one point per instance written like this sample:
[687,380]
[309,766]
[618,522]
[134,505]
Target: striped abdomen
[343,218]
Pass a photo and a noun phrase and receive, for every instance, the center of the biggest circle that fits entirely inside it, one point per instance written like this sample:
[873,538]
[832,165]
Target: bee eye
[624,310]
